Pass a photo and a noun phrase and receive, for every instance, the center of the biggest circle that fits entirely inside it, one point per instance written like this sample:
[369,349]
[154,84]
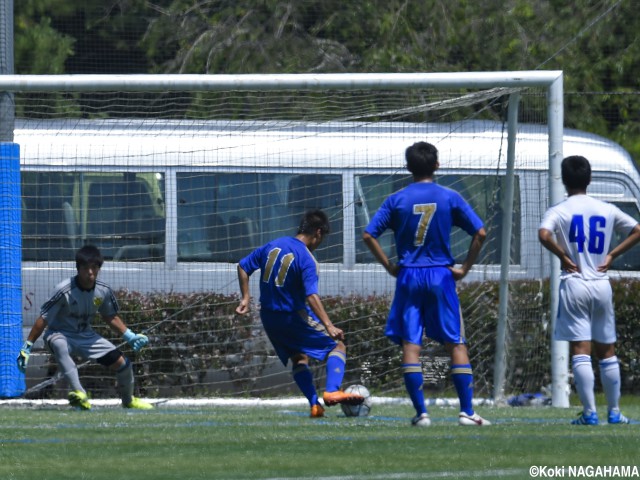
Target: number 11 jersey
[288,274]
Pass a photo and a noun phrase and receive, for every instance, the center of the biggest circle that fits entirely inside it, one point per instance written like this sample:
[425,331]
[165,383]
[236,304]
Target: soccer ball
[361,410]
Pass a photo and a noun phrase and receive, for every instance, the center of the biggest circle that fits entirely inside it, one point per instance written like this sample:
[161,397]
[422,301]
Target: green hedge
[628,328]
[197,334]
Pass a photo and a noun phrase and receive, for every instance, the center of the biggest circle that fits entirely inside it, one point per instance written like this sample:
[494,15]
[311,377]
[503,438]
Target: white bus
[173,205]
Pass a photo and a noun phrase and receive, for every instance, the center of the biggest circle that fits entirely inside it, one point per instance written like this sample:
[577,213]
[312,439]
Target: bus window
[483,192]
[371,191]
[309,192]
[46,236]
[122,220]
[120,213]
[224,216]
[630,260]
[202,234]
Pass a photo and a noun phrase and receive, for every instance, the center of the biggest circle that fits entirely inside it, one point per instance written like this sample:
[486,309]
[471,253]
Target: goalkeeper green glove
[23,356]
[137,341]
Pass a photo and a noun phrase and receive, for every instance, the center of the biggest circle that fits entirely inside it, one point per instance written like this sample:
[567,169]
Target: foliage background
[594,42]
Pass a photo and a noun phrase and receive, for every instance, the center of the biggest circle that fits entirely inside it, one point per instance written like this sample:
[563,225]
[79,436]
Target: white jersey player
[579,231]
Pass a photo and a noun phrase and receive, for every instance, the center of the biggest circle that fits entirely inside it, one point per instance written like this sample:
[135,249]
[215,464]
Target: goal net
[177,183]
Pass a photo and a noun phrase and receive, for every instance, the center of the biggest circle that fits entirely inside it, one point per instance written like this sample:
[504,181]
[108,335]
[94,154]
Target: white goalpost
[176,177]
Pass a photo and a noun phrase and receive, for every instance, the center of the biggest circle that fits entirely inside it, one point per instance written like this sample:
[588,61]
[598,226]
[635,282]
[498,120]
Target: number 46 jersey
[288,274]
[584,227]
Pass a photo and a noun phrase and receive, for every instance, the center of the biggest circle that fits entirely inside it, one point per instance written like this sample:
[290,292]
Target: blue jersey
[288,274]
[421,217]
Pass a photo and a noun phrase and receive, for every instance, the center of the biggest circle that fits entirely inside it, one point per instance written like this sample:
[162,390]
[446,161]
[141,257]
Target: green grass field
[283,443]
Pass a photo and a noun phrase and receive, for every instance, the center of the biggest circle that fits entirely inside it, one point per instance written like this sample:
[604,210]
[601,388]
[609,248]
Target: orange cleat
[334,398]
[317,411]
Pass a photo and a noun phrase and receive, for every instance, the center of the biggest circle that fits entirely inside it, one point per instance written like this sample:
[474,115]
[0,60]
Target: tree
[39,47]
[593,41]
[81,36]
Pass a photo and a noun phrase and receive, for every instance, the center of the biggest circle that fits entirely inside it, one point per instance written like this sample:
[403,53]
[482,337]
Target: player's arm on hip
[376,249]
[472,254]
[626,244]
[547,240]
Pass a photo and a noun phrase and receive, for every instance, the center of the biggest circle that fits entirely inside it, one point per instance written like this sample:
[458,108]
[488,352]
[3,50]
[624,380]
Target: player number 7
[426,211]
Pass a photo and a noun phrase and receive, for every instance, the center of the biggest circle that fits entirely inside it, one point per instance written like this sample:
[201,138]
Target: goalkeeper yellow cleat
[79,400]
[138,404]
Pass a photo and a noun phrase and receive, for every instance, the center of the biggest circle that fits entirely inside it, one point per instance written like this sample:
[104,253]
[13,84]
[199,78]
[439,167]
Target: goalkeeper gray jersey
[71,309]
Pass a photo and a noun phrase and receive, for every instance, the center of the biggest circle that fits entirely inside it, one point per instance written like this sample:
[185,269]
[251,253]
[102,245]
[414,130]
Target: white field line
[234,402]
[495,473]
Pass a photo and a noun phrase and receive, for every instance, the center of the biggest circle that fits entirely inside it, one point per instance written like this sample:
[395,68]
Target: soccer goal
[177,177]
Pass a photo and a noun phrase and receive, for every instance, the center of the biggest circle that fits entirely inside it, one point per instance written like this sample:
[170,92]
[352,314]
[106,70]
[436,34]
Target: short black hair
[89,255]
[422,159]
[312,221]
[576,172]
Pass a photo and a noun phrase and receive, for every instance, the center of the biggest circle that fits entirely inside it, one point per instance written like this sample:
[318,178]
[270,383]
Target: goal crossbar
[326,81]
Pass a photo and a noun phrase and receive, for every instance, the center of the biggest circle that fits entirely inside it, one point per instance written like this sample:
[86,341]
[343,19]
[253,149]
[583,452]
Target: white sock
[610,378]
[584,380]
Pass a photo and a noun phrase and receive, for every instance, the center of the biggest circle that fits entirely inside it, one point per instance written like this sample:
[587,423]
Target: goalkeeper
[65,320]
[288,281]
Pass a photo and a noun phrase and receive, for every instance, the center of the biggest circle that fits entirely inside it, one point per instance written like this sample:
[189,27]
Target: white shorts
[585,311]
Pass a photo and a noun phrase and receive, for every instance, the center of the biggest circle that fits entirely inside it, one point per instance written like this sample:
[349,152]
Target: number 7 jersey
[421,217]
[584,227]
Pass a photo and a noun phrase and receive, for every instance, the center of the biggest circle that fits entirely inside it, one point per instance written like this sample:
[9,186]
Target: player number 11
[285,263]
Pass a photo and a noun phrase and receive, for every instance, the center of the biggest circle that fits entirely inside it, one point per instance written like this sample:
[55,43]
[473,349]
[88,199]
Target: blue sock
[462,377]
[335,370]
[413,382]
[304,379]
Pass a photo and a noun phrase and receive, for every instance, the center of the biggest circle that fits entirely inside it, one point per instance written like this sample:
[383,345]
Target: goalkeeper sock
[68,367]
[462,377]
[584,380]
[124,377]
[413,381]
[304,379]
[610,378]
[335,370]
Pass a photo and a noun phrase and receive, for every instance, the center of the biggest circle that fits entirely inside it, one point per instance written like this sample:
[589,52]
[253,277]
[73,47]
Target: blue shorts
[292,333]
[425,303]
